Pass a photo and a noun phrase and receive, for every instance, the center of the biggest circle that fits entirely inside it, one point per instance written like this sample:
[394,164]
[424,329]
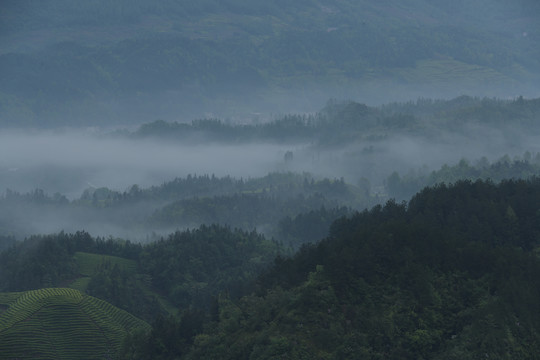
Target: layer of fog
[69,162]
[376,160]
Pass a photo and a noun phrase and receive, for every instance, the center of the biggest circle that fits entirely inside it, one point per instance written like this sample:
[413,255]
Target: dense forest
[450,275]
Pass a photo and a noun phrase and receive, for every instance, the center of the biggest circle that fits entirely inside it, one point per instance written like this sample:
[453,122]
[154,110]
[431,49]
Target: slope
[452,275]
[66,63]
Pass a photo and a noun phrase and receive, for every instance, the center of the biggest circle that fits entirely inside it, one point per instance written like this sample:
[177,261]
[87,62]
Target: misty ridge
[243,89]
[254,175]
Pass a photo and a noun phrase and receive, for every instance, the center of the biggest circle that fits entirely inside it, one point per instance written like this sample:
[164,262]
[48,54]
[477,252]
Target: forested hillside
[453,274]
[178,277]
[450,274]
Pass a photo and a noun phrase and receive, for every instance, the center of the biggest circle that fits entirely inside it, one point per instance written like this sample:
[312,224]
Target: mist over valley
[304,180]
[76,179]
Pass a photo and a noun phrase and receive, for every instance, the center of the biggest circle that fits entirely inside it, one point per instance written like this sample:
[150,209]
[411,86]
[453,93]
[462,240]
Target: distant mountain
[65,63]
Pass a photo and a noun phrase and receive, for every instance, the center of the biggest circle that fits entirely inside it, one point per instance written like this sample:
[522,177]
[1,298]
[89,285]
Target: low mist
[69,162]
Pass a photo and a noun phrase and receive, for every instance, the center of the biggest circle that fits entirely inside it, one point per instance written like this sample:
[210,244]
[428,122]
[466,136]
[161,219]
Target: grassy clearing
[88,263]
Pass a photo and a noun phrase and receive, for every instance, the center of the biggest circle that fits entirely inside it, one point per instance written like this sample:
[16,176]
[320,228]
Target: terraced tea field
[61,323]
